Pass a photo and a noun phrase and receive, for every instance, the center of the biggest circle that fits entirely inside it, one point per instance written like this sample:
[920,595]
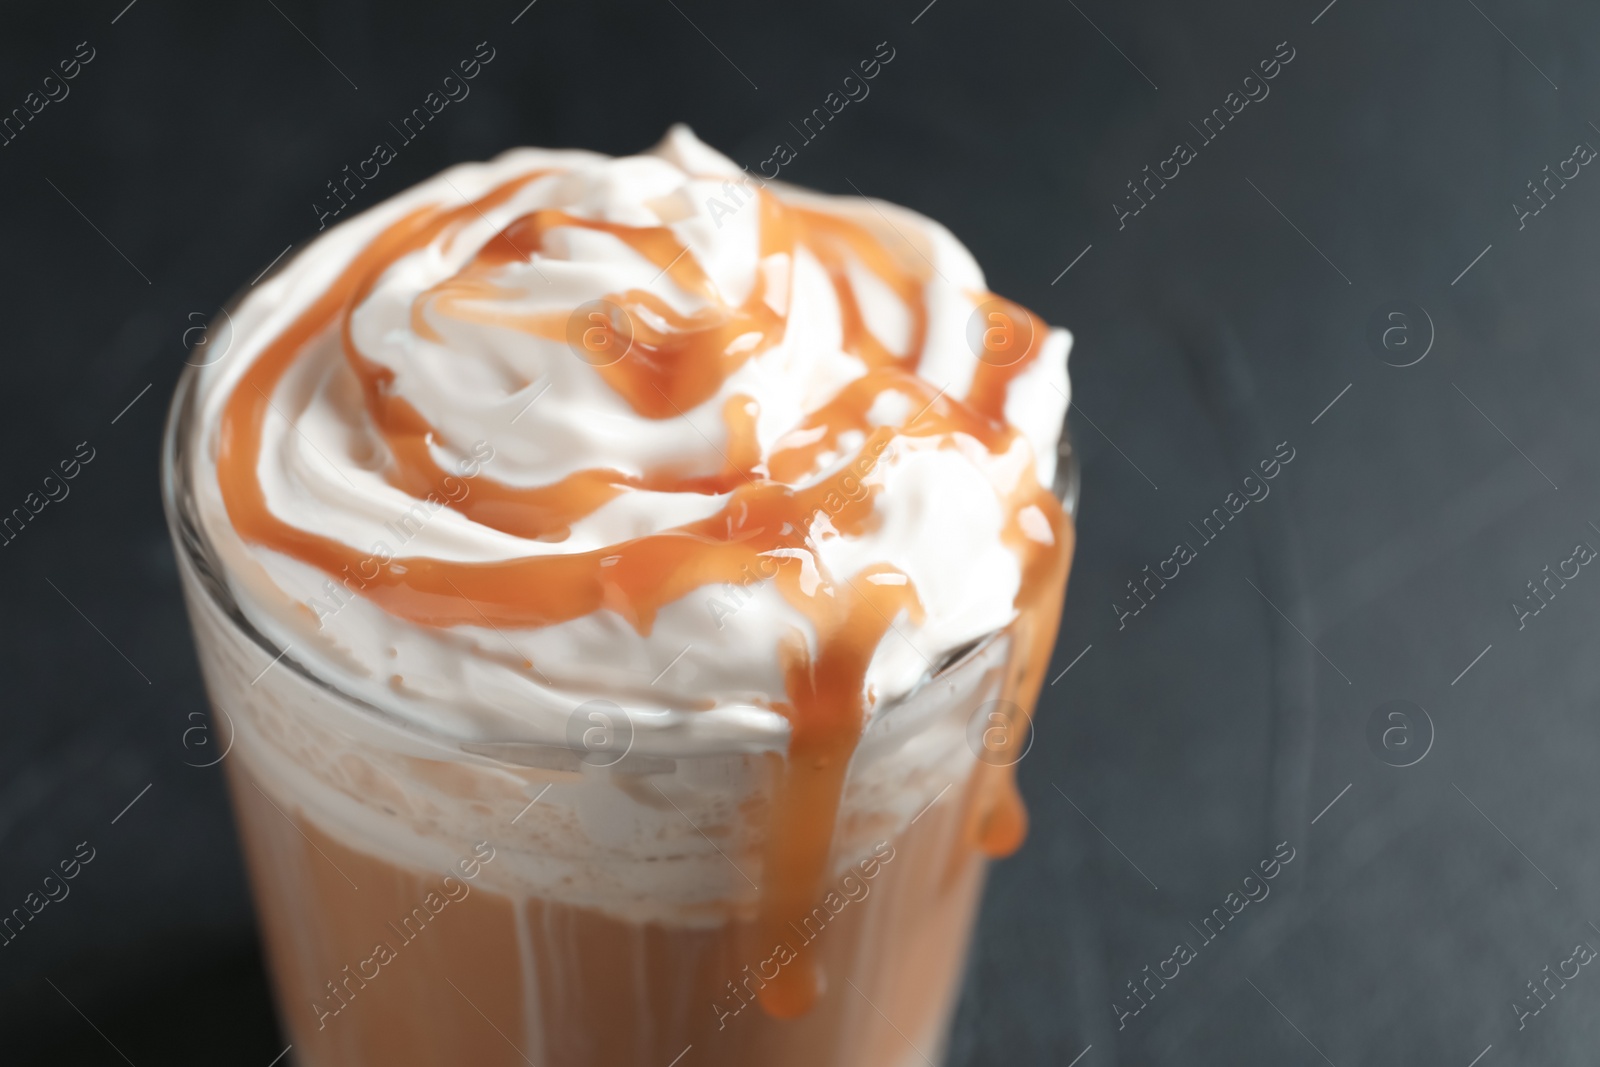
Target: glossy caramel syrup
[674,363]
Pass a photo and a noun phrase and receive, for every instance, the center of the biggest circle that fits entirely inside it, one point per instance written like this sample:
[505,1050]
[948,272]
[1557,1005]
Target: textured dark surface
[1196,737]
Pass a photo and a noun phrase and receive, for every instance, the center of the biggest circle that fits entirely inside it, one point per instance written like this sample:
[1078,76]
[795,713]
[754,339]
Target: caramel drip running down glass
[668,717]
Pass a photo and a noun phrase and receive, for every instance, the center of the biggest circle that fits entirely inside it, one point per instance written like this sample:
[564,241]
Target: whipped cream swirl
[510,388]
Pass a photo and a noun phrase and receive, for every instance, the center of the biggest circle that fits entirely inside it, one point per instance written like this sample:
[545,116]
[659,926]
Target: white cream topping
[707,672]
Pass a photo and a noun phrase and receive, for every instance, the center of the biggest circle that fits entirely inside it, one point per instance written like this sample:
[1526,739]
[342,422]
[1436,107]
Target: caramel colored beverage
[623,587]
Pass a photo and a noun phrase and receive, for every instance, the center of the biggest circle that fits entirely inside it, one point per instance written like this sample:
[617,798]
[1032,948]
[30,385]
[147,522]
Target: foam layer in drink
[677,841]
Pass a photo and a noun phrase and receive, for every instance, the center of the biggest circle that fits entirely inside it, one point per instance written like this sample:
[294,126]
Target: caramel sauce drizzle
[674,363]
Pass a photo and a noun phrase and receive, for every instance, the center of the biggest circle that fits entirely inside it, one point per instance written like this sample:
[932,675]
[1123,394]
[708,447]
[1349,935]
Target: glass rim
[180,434]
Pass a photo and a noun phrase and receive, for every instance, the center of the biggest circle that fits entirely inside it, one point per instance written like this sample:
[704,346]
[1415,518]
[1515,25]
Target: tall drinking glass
[428,899]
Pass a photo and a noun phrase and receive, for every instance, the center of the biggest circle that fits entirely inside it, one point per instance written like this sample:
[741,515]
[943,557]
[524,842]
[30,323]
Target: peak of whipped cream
[562,426]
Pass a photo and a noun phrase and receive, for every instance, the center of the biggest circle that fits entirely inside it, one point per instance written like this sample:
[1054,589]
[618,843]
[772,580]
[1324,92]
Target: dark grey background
[1219,322]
